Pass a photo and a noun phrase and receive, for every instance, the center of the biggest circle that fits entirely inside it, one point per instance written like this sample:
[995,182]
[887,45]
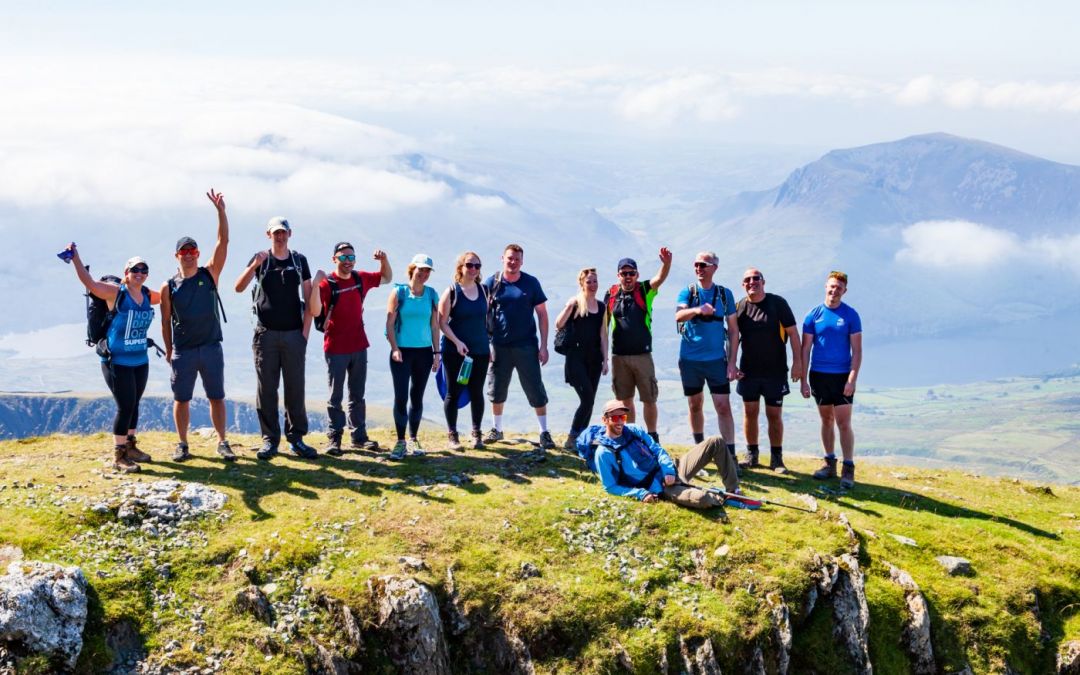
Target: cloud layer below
[967,246]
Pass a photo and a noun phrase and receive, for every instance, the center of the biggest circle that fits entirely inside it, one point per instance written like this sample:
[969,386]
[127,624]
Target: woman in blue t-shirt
[123,350]
[412,328]
[463,318]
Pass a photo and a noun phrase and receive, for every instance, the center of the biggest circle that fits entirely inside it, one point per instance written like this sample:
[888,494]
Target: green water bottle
[465,371]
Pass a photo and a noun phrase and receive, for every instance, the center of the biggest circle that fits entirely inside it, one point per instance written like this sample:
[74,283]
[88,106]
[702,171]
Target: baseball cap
[132,262]
[342,245]
[185,242]
[277,223]
[422,260]
[626,262]
[614,405]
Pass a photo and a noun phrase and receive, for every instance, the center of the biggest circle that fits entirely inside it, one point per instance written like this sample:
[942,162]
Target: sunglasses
[140,269]
[189,251]
[347,257]
[627,273]
[472,266]
[617,418]
[702,265]
[752,278]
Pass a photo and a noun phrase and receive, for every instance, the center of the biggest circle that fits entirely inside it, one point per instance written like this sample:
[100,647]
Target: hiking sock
[699,436]
[752,449]
[731,449]
[776,449]
[848,462]
[496,421]
[655,436]
[542,421]
[830,456]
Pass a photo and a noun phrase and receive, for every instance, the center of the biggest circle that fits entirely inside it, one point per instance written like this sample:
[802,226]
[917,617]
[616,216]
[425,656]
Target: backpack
[335,290]
[566,337]
[613,294]
[587,451]
[695,301]
[493,300]
[257,289]
[213,289]
[99,317]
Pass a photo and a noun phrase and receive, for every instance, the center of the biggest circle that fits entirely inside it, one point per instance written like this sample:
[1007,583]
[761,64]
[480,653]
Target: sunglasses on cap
[347,257]
[702,265]
[752,278]
[617,417]
[188,251]
[472,266]
[140,269]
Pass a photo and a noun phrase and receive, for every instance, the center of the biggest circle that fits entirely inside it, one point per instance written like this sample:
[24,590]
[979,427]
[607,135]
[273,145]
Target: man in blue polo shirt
[832,349]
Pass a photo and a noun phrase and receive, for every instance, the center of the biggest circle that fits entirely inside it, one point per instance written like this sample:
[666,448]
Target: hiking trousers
[127,384]
[712,449]
[350,369]
[280,354]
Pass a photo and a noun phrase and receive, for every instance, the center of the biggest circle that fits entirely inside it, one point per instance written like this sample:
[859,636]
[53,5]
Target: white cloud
[484,202]
[970,93]
[699,96]
[960,244]
[56,342]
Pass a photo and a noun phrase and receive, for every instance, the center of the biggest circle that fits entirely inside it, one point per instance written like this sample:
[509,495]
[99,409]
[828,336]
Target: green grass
[336,523]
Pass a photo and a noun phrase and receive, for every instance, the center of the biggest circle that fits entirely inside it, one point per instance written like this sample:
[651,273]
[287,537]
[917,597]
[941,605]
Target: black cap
[626,262]
[341,245]
[184,242]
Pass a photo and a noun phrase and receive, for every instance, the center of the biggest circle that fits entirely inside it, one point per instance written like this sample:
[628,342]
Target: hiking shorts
[696,374]
[828,388]
[205,361]
[772,389]
[634,371]
[526,361]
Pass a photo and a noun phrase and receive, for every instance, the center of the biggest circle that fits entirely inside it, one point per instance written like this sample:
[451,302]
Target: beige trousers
[712,449]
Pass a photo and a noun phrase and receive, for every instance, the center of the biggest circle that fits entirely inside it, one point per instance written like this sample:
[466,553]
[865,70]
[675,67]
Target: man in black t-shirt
[766,322]
[282,278]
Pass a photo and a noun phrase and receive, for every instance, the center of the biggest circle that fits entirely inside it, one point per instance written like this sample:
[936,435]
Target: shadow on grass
[756,482]
[369,473]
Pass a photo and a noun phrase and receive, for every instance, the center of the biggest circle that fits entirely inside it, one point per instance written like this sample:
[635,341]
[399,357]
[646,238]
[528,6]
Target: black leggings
[475,386]
[415,366]
[127,384]
[583,374]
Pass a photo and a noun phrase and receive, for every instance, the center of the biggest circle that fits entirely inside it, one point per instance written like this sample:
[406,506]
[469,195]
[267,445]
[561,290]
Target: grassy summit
[616,583]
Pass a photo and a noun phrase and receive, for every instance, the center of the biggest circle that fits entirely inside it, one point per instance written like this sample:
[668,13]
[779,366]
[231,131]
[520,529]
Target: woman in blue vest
[412,329]
[124,362]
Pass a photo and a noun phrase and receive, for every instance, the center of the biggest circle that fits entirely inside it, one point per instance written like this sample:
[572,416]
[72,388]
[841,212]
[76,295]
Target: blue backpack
[587,451]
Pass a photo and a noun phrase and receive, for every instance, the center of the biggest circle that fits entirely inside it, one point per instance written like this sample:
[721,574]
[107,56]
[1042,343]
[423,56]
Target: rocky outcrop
[955,565]
[408,615]
[251,600]
[698,656]
[1068,658]
[781,632]
[43,609]
[916,636]
[851,613]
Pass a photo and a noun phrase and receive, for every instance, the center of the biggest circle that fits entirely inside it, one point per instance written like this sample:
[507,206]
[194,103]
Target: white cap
[132,262]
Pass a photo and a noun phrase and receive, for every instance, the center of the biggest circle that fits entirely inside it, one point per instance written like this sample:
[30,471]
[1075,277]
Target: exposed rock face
[955,565]
[43,609]
[409,614]
[851,614]
[1068,658]
[251,600]
[698,656]
[506,652]
[781,635]
[916,635]
[455,616]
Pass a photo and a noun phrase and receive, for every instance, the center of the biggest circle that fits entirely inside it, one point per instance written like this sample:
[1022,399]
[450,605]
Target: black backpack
[718,291]
[335,290]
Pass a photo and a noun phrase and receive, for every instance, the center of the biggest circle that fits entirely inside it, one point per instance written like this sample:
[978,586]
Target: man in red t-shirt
[339,299]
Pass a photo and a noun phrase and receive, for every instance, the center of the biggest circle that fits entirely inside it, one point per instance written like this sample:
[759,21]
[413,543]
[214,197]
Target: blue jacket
[640,454]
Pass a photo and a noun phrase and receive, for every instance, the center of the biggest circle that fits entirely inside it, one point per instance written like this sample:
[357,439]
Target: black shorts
[828,388]
[772,389]
[696,374]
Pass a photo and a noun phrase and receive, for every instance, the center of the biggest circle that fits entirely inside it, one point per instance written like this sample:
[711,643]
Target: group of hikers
[484,330]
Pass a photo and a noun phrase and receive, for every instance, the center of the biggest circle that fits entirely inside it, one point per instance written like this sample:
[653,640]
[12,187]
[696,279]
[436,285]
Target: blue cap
[626,262]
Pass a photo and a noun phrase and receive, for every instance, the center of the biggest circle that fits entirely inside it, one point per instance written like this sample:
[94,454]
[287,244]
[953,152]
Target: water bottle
[465,371]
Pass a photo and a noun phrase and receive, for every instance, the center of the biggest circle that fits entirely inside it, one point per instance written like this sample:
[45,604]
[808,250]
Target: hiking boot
[225,450]
[776,462]
[133,453]
[364,443]
[181,454]
[121,463]
[546,442]
[267,451]
[333,447]
[571,442]
[751,462]
[302,449]
[828,469]
[493,436]
[400,450]
[414,448]
[847,476]
[455,441]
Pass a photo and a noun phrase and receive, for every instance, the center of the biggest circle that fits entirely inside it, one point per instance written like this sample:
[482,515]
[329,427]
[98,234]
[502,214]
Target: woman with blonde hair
[412,329]
[124,361]
[587,357]
[463,319]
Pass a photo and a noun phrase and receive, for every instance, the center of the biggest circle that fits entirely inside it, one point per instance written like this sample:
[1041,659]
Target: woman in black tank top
[587,360]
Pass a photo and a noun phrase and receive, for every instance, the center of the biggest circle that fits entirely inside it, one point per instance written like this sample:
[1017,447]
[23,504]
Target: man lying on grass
[631,464]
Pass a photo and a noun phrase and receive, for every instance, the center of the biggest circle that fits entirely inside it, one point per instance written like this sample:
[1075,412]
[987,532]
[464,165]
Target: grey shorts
[526,361]
[696,374]
[205,361]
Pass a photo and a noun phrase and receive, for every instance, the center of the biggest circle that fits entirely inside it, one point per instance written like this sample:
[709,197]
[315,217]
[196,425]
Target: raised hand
[665,255]
[217,199]
[379,255]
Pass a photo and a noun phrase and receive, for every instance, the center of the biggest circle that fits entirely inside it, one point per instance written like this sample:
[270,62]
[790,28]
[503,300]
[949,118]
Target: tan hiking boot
[827,470]
[121,463]
[133,453]
[847,476]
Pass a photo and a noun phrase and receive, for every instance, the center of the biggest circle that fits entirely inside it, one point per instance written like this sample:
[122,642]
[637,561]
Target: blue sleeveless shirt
[126,336]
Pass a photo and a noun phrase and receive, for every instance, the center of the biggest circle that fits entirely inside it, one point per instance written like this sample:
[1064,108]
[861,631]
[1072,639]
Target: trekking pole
[750,502]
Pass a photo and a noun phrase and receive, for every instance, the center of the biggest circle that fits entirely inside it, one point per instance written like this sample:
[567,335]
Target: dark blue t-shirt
[514,303]
[468,320]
